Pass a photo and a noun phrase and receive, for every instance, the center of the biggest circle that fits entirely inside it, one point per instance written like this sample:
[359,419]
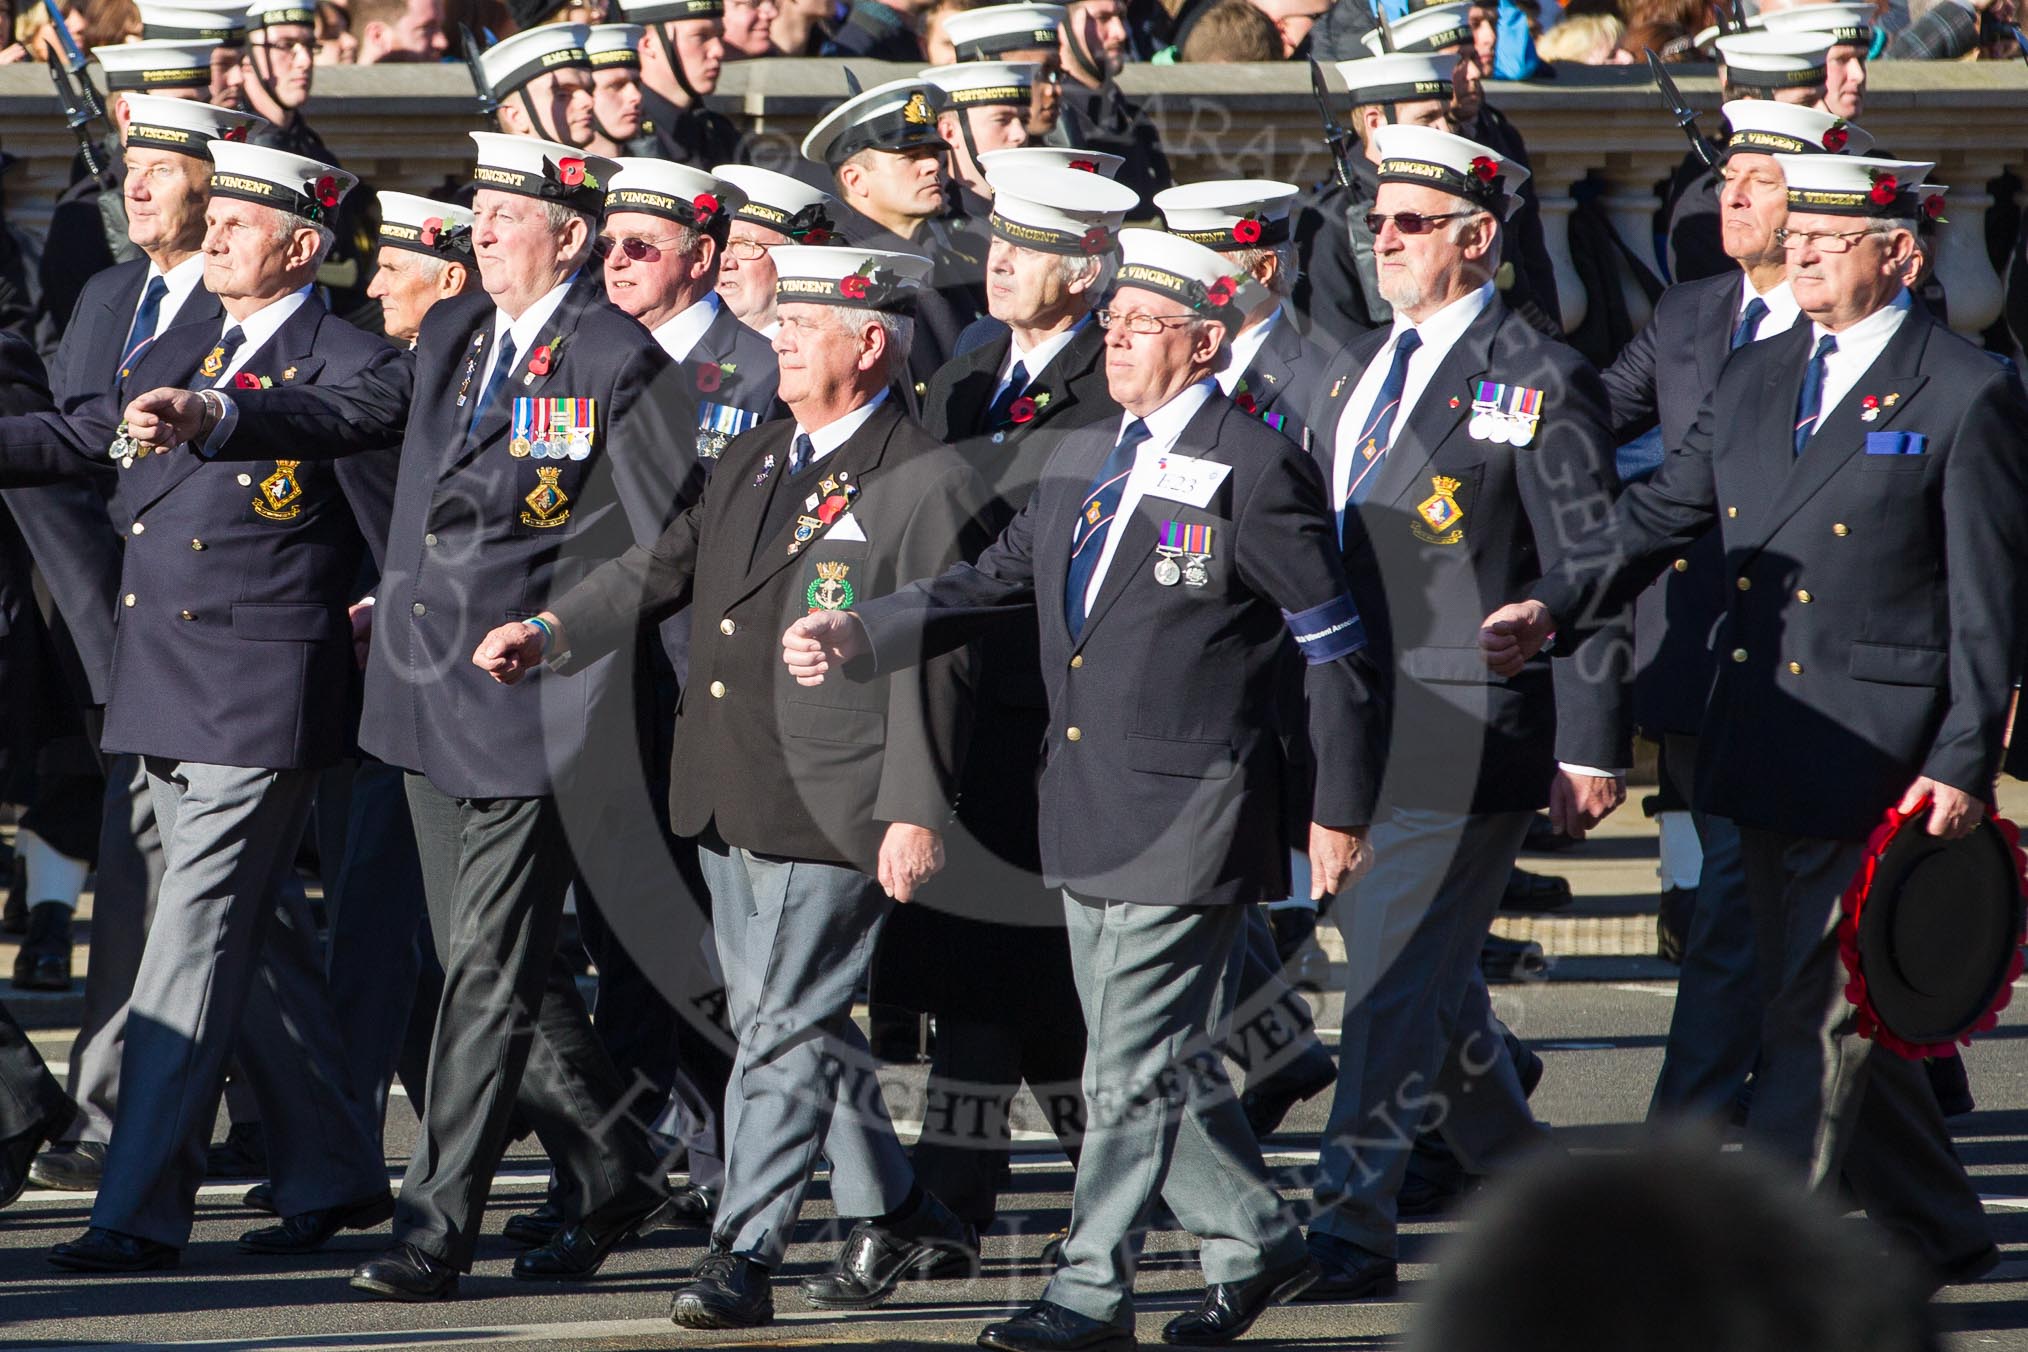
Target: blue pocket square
[1896,443]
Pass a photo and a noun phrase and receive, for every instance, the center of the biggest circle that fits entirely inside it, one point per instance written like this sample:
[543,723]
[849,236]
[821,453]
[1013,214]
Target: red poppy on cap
[1246,230]
[327,191]
[709,377]
[853,287]
[570,172]
[1933,208]
[1884,189]
[1484,169]
[1089,166]
[706,205]
[1021,410]
[234,133]
[816,234]
[1094,240]
[1219,292]
[1836,137]
[430,228]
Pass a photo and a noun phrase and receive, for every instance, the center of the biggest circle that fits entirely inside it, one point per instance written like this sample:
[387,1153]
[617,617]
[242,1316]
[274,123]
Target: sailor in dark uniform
[222,22]
[986,105]
[887,162]
[281,54]
[680,60]
[1095,114]
[541,83]
[1017,34]
[619,126]
[777,209]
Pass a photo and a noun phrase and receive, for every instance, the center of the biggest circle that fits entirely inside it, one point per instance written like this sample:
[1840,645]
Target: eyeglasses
[747,250]
[638,250]
[295,49]
[1410,222]
[1139,321]
[1823,241]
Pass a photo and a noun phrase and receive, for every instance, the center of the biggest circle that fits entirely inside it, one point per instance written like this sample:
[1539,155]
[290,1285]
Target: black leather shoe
[1267,1103]
[1044,1327]
[1349,1272]
[876,1259]
[260,1197]
[535,1227]
[580,1250]
[405,1272]
[242,1154]
[692,1206]
[954,1265]
[1230,1308]
[110,1251]
[306,1231]
[1511,959]
[725,1291]
[43,964]
[1534,892]
[1672,922]
[1543,838]
[70,1168]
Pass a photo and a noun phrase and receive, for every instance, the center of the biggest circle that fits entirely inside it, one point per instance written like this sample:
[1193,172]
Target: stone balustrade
[403,127]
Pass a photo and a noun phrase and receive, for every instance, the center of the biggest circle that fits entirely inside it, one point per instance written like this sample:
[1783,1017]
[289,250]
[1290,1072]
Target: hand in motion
[164,418]
[909,857]
[821,641]
[1513,634]
[511,651]
[361,615]
[1578,802]
[1337,859]
[1952,812]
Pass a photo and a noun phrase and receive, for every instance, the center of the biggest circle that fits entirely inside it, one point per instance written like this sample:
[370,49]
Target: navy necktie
[1095,520]
[1749,323]
[496,383]
[145,318]
[801,453]
[1378,428]
[228,344]
[1002,406]
[1810,405]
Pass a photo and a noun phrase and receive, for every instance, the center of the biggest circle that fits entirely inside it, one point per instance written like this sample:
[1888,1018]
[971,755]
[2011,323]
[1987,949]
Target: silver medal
[1168,573]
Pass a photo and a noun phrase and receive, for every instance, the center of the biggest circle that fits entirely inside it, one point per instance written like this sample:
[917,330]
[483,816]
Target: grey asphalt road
[1601,1041]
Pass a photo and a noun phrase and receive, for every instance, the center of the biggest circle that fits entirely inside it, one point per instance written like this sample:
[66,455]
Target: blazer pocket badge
[1897,443]
[1440,520]
[281,496]
[548,505]
[830,591]
[1505,415]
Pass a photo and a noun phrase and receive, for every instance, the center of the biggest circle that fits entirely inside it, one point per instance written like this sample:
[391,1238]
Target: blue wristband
[548,634]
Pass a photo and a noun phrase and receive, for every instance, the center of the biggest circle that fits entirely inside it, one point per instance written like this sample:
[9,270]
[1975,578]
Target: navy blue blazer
[232,645]
[481,536]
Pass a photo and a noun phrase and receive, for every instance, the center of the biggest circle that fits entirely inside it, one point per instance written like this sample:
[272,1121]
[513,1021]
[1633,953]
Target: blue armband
[1328,632]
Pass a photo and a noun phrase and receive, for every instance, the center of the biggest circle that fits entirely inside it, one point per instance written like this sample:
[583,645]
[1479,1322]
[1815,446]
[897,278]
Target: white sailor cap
[1398,77]
[275,178]
[1853,185]
[1774,60]
[691,197]
[987,33]
[1434,28]
[185,126]
[156,65]
[1436,159]
[1059,211]
[981,84]
[512,62]
[898,115]
[670,11]
[425,226]
[547,170]
[781,203]
[609,45]
[1766,127]
[278,13]
[1229,213]
[170,21]
[1204,280]
[1929,213]
[1052,157]
[863,279]
[1845,22]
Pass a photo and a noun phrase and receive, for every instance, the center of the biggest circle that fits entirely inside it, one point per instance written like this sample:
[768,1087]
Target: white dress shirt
[679,334]
[527,331]
[832,435]
[1245,347]
[258,328]
[1858,348]
[1165,425]
[1781,308]
[1439,334]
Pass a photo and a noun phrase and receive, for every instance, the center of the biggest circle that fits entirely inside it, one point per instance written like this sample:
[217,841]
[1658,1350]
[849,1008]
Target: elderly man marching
[230,680]
[1864,471]
[1464,449]
[1182,526]
[814,814]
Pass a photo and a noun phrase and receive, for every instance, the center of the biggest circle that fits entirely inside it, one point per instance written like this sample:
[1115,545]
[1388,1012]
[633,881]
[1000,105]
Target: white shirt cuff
[228,421]
[1591,770]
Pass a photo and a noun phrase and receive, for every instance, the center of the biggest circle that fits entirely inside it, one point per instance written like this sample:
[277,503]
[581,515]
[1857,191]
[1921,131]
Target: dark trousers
[30,1097]
[512,1035]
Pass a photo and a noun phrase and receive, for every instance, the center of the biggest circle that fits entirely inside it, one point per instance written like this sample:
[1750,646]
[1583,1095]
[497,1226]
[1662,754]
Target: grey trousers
[230,966]
[794,940]
[123,904]
[512,1032]
[1155,982]
[1416,1040]
[1827,1100]
[1714,1033]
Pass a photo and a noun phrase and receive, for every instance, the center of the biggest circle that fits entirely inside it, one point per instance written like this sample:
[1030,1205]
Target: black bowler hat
[1932,933]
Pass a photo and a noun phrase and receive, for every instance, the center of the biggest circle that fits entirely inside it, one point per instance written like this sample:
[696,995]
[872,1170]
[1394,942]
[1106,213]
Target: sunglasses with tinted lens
[1409,222]
[639,250]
